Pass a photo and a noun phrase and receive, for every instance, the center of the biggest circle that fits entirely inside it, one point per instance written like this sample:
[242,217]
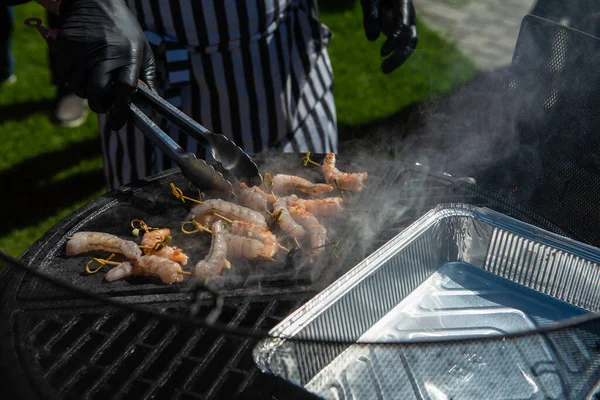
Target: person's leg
[6,57]
[70,111]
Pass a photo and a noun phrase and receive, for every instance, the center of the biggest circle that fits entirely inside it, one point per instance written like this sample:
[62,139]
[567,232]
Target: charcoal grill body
[59,343]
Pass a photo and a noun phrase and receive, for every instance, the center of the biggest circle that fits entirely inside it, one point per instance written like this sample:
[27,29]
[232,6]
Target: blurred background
[47,171]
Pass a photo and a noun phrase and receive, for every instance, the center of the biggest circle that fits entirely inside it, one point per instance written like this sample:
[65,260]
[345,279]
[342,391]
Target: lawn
[46,172]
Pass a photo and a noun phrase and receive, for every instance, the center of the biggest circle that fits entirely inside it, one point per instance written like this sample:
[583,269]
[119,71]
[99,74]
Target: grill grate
[112,354]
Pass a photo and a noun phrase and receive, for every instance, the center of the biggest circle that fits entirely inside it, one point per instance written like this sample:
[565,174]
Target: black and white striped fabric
[255,70]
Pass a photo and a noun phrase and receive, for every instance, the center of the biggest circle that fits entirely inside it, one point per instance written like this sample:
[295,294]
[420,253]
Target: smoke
[462,134]
[475,131]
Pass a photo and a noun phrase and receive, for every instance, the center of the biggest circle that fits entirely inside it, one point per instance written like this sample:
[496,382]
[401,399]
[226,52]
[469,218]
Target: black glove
[101,52]
[396,19]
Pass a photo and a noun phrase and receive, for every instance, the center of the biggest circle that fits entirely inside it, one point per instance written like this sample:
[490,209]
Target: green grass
[36,165]
[363,94]
[46,172]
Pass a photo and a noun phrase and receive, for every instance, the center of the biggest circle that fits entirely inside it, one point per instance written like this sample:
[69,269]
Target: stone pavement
[484,30]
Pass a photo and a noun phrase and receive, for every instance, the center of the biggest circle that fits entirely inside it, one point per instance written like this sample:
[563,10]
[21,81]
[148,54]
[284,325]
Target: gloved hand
[396,19]
[101,52]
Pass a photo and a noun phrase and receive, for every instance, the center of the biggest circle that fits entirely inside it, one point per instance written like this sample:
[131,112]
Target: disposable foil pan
[466,303]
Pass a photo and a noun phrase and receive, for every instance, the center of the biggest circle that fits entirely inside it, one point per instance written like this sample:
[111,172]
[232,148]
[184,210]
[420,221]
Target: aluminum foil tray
[466,303]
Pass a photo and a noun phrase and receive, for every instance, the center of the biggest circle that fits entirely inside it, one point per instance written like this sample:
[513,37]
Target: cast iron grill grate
[110,354]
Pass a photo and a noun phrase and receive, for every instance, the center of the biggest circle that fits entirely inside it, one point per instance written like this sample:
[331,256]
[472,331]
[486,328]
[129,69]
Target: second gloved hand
[102,52]
[396,19]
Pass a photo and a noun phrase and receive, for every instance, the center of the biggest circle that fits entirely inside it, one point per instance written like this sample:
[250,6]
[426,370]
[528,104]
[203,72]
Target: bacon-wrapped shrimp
[285,220]
[318,234]
[151,238]
[269,197]
[228,210]
[285,183]
[319,207]
[349,181]
[247,247]
[250,198]
[83,242]
[263,235]
[169,271]
[216,259]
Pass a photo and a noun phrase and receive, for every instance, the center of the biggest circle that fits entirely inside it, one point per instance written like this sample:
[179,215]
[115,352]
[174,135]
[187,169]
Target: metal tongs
[197,171]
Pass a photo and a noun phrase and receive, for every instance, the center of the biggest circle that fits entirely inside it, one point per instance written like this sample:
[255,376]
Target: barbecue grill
[70,335]
[63,343]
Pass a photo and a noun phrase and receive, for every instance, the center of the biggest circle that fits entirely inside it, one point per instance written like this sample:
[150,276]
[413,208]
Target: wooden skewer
[108,262]
[179,194]
[196,225]
[276,216]
[102,263]
[205,229]
[223,218]
[268,181]
[283,247]
[306,160]
[143,225]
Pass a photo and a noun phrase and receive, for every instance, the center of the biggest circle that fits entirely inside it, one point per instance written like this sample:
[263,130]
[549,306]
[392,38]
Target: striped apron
[255,70]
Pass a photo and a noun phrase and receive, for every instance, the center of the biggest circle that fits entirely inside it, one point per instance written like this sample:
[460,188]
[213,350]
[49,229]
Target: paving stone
[484,30]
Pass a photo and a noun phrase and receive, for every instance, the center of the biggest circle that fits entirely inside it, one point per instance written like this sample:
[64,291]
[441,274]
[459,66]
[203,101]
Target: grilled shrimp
[248,248]
[286,183]
[286,222]
[350,181]
[318,234]
[228,210]
[151,238]
[269,197]
[259,233]
[242,228]
[168,271]
[207,219]
[216,259]
[82,242]
[250,198]
[319,207]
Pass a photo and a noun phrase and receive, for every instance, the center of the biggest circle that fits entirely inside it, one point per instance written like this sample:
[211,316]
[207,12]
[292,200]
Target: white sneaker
[9,81]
